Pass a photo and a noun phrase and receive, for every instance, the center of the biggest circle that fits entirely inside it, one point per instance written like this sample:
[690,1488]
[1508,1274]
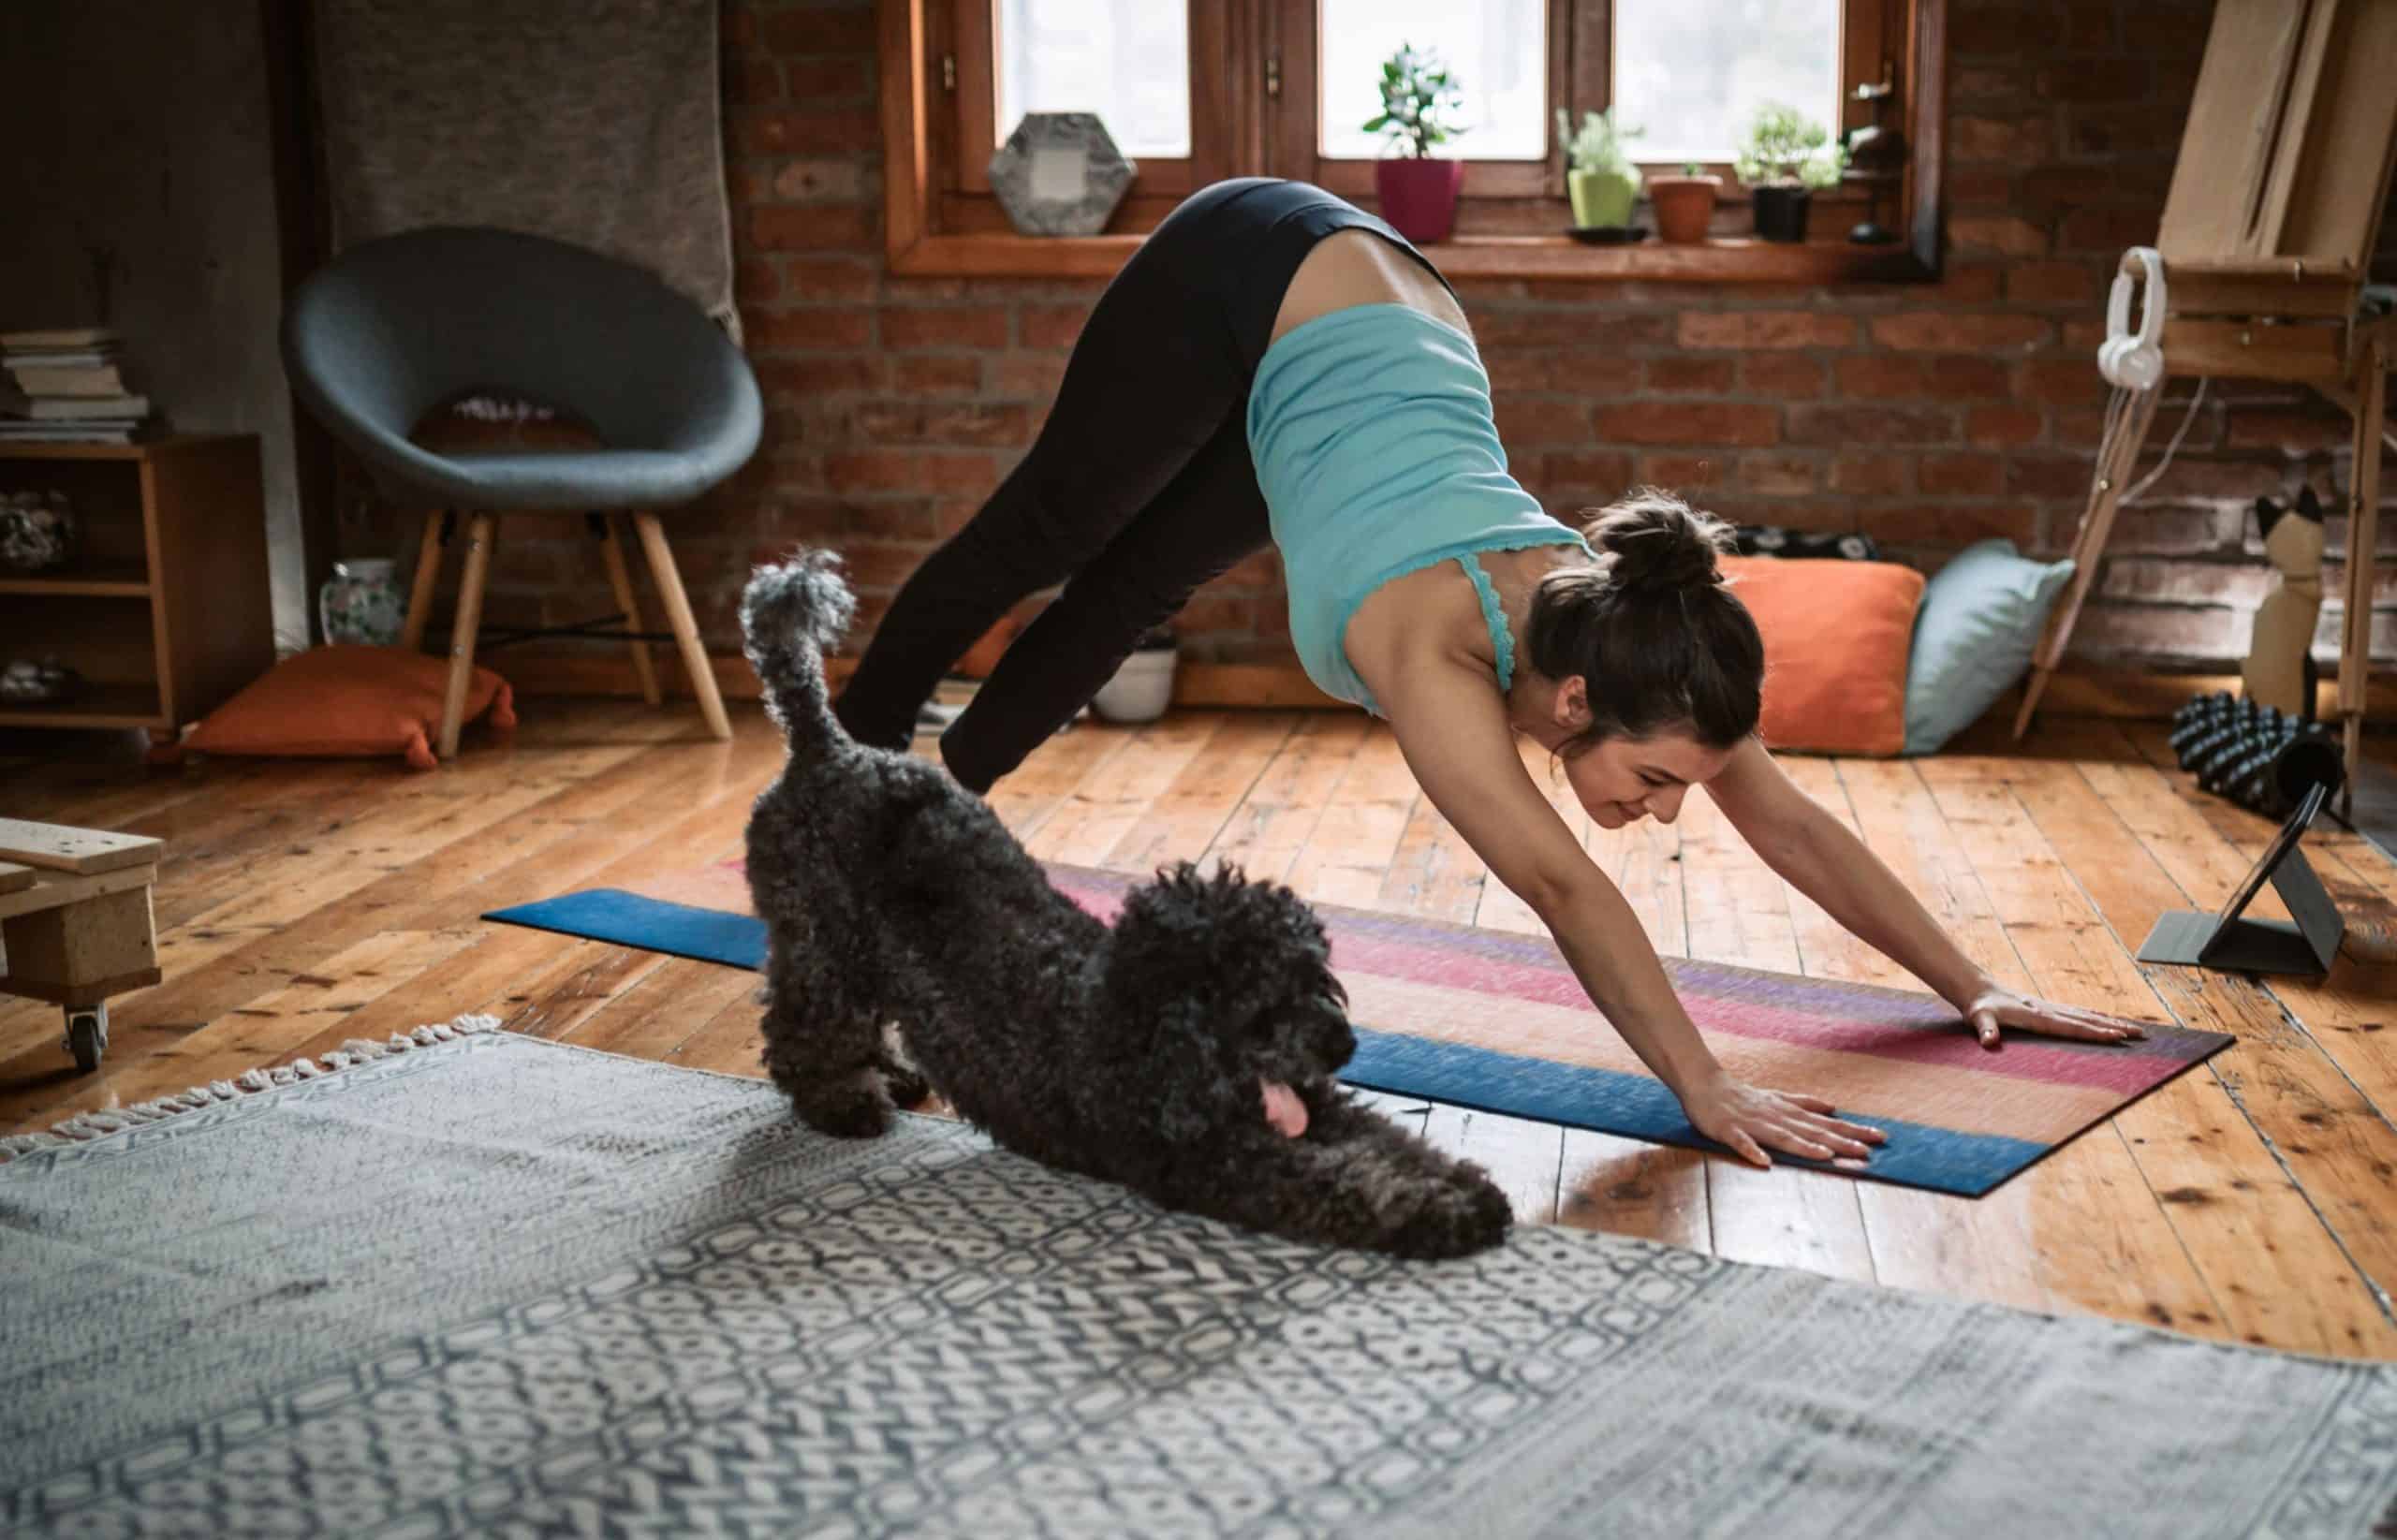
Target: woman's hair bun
[1659,543]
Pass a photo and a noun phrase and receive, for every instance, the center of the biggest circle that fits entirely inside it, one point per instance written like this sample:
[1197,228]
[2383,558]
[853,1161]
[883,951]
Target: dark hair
[1652,628]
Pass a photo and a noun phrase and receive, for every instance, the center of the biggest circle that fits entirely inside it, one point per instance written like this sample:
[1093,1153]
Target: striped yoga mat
[1496,1021]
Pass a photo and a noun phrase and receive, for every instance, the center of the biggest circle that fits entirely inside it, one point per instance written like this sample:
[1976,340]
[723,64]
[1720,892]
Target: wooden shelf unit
[165,611]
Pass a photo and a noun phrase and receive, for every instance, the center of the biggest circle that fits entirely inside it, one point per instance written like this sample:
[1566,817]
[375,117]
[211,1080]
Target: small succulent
[1417,95]
[1786,148]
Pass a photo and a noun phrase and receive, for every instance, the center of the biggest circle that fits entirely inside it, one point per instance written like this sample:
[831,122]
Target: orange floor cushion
[1836,635]
[347,702]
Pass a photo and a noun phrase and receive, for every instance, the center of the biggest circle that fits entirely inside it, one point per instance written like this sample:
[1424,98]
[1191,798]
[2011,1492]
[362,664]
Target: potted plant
[1599,177]
[1142,687]
[1787,156]
[1685,204]
[1417,190]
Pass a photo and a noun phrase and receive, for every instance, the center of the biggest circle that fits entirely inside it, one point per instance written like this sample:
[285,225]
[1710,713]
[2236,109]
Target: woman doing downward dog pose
[1276,365]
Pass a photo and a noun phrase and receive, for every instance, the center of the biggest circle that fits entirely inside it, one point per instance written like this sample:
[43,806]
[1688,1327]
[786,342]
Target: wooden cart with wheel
[74,923]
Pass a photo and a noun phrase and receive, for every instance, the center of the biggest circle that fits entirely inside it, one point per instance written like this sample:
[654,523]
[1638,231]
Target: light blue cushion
[1981,615]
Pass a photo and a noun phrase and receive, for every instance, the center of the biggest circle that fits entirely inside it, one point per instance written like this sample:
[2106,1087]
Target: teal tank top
[1378,456]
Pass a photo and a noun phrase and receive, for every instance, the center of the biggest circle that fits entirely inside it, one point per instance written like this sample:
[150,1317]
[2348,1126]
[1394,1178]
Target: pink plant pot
[1418,195]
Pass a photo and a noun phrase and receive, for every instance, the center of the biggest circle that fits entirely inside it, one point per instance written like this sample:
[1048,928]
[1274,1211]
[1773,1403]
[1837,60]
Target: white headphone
[2135,361]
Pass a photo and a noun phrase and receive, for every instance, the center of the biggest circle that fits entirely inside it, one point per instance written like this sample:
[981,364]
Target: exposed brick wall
[1925,416]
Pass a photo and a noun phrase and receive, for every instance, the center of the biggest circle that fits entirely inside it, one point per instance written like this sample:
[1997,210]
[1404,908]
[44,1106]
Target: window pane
[1693,72]
[1128,61]
[1496,52]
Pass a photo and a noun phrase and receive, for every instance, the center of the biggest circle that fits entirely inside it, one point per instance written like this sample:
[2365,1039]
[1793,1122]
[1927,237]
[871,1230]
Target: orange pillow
[1836,635]
[347,702]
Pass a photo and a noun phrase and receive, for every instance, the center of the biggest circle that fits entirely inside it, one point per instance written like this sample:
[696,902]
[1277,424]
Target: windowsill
[1736,260]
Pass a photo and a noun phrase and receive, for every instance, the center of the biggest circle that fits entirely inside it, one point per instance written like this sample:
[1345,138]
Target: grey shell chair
[394,327]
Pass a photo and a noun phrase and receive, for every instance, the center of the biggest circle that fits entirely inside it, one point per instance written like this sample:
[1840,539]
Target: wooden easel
[2267,238]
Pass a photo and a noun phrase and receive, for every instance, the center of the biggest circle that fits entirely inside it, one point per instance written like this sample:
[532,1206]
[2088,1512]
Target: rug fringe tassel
[358,1051]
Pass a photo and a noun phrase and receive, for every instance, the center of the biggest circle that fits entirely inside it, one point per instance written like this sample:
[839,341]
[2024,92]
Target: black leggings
[1139,489]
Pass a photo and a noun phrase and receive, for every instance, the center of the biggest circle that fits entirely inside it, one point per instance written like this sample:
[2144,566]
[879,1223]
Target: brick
[2107,228]
[2007,233]
[1991,83]
[823,181]
[1515,371]
[757,280]
[2295,433]
[2089,24]
[750,80]
[2008,27]
[1963,475]
[2119,80]
[2159,633]
[2118,133]
[878,564]
[819,376]
[1882,376]
[1788,376]
[826,76]
[808,131]
[935,374]
[2049,476]
[821,328]
[831,280]
[1948,332]
[1871,424]
[2157,580]
[827,227]
[944,327]
[978,424]
[1051,326]
[2014,142]
[1541,422]
[1029,375]
[1873,476]
[819,29]
[1964,377]
[2061,381]
[891,470]
[2051,285]
[1778,474]
[1578,471]
[1689,376]
[1967,284]
[1680,472]
[1949,524]
[1765,329]
[1695,422]
[1982,187]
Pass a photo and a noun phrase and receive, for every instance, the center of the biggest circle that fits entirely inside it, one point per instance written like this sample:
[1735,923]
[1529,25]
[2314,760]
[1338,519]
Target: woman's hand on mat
[1752,1120]
[1996,1008]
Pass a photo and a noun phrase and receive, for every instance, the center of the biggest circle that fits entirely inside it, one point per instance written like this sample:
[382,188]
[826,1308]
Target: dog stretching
[1189,1053]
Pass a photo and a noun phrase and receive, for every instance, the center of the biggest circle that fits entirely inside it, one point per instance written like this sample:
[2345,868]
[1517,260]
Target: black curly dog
[1135,1055]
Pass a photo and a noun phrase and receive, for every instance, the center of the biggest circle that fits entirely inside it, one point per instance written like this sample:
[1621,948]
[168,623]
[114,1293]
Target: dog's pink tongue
[1283,1110]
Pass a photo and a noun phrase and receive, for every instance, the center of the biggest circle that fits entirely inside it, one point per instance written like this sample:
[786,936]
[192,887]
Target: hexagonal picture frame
[1060,173]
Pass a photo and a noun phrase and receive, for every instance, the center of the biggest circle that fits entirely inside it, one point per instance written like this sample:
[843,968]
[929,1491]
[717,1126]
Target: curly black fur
[892,896]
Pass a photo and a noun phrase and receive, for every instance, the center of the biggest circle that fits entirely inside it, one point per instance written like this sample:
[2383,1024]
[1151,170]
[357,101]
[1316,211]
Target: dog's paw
[906,1083]
[1462,1215]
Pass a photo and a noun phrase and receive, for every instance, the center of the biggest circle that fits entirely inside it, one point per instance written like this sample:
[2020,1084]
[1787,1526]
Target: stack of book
[65,386]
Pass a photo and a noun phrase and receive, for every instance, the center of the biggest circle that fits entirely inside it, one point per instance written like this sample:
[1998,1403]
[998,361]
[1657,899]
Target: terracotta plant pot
[1418,195]
[1781,211]
[1685,206]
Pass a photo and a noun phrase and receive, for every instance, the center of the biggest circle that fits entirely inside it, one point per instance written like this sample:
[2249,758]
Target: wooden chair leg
[2363,545]
[2088,548]
[612,551]
[427,573]
[481,531]
[678,615]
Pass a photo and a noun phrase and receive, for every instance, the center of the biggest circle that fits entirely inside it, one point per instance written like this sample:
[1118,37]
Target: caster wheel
[87,1037]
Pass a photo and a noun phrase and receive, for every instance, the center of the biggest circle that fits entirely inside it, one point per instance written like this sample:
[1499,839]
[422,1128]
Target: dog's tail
[790,614]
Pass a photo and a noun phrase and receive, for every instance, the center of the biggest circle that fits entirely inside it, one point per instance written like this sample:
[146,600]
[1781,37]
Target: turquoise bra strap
[1493,615]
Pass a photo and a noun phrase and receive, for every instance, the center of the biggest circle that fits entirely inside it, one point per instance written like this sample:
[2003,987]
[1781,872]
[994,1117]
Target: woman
[1276,365]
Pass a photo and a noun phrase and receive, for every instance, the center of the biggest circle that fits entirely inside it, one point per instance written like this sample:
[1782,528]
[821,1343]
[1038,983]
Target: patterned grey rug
[496,1287]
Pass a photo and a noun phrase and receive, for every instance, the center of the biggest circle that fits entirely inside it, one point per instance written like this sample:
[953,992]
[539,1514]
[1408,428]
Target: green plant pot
[1601,197]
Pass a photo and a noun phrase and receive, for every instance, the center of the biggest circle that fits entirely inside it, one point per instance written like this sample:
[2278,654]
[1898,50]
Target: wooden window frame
[941,220]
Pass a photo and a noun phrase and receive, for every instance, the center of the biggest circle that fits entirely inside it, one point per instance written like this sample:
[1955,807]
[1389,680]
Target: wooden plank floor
[300,904]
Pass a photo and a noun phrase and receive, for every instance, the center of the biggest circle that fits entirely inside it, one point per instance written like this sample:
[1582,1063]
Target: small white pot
[1142,689]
